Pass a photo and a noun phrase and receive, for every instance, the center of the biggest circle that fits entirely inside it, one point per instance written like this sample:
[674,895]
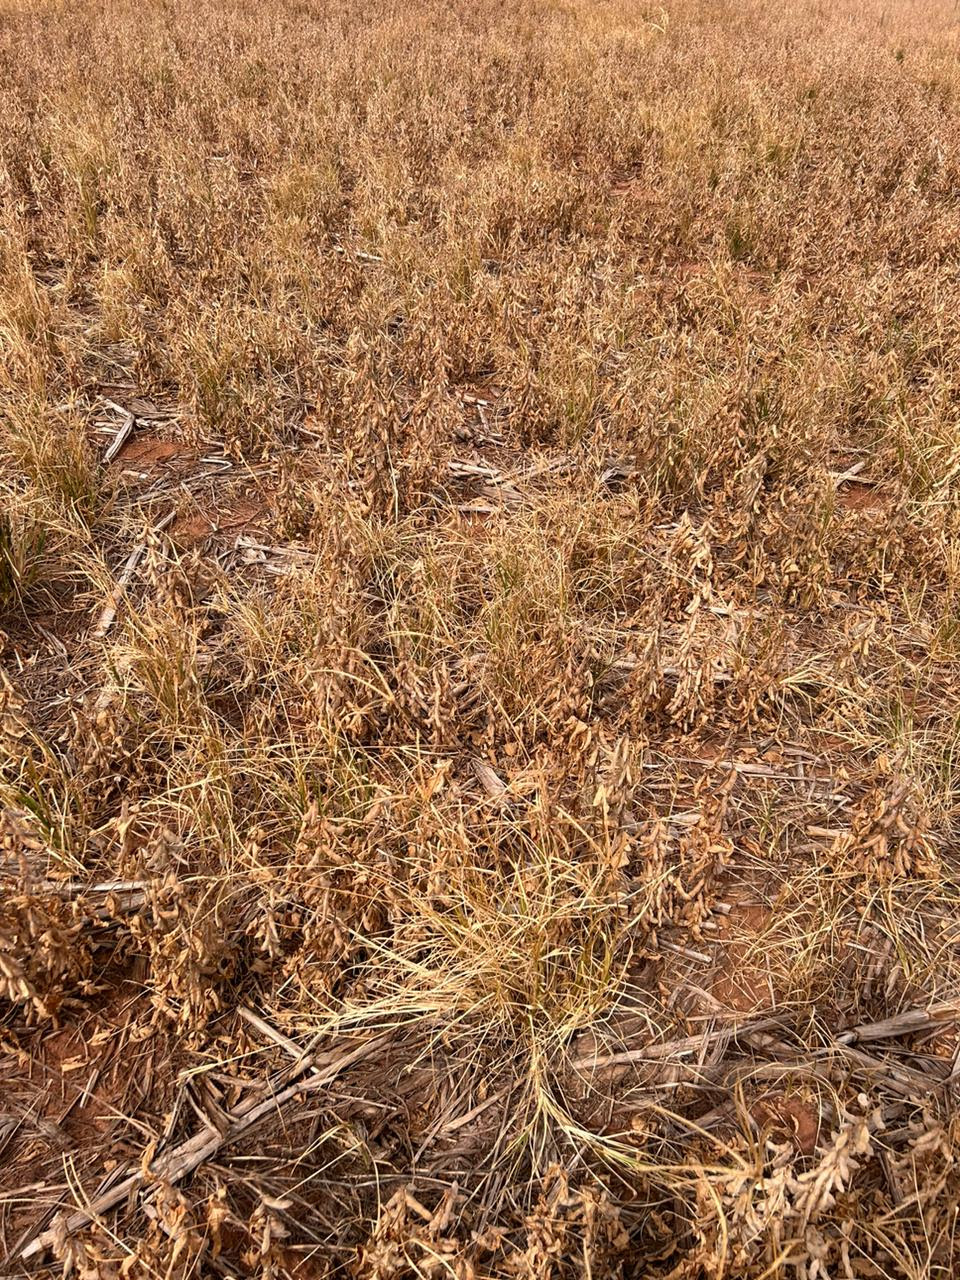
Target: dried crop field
[480,639]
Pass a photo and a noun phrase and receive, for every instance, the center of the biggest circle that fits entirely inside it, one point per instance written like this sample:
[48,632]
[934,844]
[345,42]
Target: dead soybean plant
[478,657]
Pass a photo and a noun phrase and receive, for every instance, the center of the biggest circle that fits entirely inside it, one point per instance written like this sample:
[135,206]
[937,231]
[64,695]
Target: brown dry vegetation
[506,825]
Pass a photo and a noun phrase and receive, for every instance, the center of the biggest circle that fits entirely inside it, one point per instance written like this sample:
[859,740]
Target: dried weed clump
[479,641]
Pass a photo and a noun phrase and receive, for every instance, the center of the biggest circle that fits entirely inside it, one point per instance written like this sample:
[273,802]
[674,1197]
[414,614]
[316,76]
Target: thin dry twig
[906,1023]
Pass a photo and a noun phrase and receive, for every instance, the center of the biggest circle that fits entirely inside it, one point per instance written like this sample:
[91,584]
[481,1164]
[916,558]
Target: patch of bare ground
[863,497]
[148,451]
[741,981]
[230,516]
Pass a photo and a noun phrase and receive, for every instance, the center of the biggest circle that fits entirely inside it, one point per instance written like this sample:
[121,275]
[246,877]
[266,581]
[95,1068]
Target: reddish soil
[854,496]
[148,450]
[790,1118]
[233,516]
[741,979]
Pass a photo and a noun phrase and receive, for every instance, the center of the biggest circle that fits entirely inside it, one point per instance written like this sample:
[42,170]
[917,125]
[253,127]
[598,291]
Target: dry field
[480,639]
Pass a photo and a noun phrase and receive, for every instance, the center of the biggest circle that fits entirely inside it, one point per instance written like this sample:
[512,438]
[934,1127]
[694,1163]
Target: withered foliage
[479,650]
